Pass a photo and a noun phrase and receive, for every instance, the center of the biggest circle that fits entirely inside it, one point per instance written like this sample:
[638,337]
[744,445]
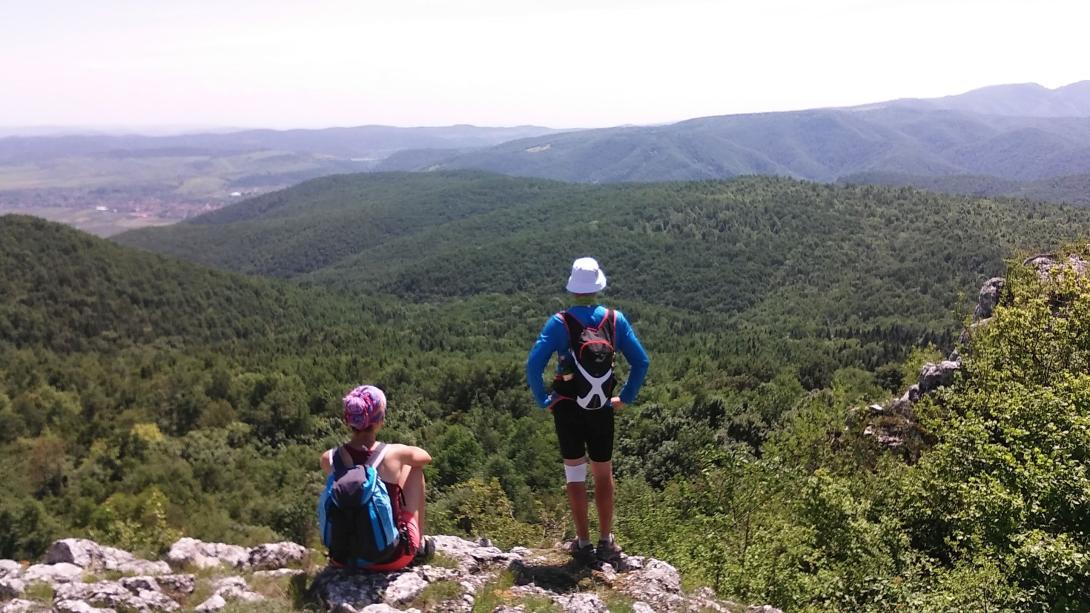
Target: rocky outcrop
[894,426]
[89,555]
[83,577]
[228,589]
[988,298]
[191,553]
[134,596]
[276,555]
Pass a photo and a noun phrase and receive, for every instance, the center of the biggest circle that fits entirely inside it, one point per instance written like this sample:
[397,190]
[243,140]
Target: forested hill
[68,291]
[820,144]
[778,250]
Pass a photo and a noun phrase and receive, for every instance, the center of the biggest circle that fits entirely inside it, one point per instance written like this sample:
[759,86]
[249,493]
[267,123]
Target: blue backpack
[355,514]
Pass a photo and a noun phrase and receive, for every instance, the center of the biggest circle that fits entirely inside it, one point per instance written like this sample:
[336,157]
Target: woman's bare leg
[412,486]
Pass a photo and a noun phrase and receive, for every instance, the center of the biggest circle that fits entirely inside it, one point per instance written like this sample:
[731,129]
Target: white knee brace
[576,474]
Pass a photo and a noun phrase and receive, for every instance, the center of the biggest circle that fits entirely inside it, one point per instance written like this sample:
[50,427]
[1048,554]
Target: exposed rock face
[191,553]
[891,427]
[24,606]
[463,568]
[11,588]
[934,376]
[897,423]
[52,573]
[229,589]
[92,556]
[988,298]
[276,555]
[115,595]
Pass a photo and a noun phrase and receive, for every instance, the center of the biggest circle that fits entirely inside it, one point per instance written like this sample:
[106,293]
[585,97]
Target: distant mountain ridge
[1019,99]
[820,145]
[360,141]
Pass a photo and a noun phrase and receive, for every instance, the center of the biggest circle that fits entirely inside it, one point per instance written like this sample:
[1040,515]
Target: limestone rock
[550,575]
[380,608]
[641,607]
[765,608]
[136,584]
[11,587]
[663,575]
[338,586]
[23,606]
[404,588]
[188,552]
[988,298]
[92,556]
[934,376]
[78,606]
[114,595]
[276,555]
[585,602]
[235,588]
[177,586]
[470,555]
[214,603]
[657,584]
[280,572]
[52,573]
[228,589]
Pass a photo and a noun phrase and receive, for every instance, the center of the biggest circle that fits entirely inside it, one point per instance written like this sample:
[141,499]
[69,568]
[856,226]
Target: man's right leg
[567,418]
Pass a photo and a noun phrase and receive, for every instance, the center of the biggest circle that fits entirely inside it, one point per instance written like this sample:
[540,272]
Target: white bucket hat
[586,277]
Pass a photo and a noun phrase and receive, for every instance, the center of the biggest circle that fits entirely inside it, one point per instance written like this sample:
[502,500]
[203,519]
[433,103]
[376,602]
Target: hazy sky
[561,63]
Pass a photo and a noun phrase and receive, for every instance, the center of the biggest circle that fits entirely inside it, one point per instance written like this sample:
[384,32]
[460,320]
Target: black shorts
[583,432]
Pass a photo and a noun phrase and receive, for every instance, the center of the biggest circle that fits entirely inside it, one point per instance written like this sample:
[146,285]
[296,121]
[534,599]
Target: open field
[100,223]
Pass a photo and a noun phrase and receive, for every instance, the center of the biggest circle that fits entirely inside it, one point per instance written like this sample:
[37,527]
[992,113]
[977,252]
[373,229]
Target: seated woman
[401,468]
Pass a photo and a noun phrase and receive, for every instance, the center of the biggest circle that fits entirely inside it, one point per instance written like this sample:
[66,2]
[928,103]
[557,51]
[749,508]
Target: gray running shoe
[425,553]
[584,554]
[608,550]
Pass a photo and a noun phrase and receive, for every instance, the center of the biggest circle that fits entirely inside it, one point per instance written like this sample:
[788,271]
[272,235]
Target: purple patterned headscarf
[364,407]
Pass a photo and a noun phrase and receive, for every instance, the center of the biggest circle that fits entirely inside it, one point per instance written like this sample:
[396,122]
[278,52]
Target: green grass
[39,592]
[438,595]
[616,602]
[494,593]
[441,560]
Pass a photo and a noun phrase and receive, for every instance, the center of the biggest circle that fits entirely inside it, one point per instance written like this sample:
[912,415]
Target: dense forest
[142,397]
[1070,189]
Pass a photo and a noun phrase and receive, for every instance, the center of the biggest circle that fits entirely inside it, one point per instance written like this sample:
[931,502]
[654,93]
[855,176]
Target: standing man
[584,338]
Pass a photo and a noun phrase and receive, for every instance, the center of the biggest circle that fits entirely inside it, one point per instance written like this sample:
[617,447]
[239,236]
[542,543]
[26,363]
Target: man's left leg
[600,450]
[603,496]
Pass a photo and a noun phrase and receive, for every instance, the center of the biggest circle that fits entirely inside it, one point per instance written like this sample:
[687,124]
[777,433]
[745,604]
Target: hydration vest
[591,357]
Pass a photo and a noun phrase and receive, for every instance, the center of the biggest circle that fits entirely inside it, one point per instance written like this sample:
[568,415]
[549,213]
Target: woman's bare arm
[412,456]
[326,462]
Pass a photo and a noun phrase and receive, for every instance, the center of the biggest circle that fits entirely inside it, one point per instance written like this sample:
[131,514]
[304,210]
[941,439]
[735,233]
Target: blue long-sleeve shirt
[554,340]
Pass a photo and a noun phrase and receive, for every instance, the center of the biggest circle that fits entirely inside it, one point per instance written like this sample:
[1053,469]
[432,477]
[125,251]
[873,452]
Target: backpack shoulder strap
[341,459]
[572,323]
[378,453]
